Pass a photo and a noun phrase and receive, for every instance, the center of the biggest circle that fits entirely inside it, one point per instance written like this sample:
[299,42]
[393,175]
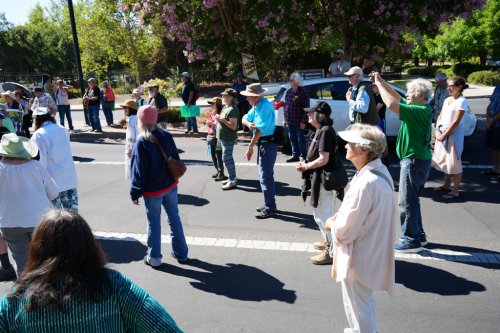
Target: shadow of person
[426,279]
[235,281]
[187,199]
[122,251]
[305,220]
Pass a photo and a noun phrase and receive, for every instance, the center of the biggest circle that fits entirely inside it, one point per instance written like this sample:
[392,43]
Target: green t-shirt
[224,132]
[415,132]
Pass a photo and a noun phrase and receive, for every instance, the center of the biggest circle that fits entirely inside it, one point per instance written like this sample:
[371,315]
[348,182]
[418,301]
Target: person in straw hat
[261,120]
[26,191]
[130,111]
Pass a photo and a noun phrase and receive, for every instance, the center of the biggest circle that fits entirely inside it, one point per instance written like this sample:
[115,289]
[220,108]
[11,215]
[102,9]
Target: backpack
[109,95]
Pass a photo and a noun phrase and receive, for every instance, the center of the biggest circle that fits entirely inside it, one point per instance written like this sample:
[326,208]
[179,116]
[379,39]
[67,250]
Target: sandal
[441,188]
[451,196]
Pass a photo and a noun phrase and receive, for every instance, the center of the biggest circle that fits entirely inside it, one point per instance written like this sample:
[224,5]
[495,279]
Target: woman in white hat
[26,191]
[53,143]
[364,229]
[137,95]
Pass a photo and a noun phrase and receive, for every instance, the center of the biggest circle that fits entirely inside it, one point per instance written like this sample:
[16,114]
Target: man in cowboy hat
[261,120]
[160,103]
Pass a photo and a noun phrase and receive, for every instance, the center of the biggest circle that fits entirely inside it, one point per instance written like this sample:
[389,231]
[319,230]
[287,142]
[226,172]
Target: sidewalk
[478,91]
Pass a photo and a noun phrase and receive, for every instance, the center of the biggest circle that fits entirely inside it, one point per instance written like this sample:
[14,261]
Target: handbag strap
[379,173]
[155,140]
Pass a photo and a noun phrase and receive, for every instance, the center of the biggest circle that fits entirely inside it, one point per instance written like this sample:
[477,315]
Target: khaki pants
[18,240]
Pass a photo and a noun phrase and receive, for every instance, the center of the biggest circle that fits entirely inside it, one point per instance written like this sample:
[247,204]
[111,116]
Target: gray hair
[421,87]
[105,84]
[378,143]
[146,130]
[296,78]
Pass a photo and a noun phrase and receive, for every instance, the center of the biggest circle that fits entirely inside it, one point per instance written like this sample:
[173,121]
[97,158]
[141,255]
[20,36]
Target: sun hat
[147,114]
[254,89]
[129,103]
[354,70]
[186,74]
[354,136]
[15,146]
[340,51]
[40,111]
[9,93]
[320,107]
[229,92]
[136,92]
[216,100]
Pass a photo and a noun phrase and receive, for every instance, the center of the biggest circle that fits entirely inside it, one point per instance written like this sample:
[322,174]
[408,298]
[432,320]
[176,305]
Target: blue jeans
[169,201]
[65,110]
[191,124]
[95,122]
[298,141]
[412,179]
[267,159]
[107,109]
[227,157]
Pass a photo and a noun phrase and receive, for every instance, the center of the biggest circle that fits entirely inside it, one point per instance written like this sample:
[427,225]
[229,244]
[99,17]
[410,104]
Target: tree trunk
[416,61]
[133,49]
[429,62]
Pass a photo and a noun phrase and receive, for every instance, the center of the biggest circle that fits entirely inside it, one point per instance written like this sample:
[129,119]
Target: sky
[16,11]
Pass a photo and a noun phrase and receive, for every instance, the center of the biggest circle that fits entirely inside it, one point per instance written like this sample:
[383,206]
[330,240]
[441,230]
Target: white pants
[359,306]
[324,211]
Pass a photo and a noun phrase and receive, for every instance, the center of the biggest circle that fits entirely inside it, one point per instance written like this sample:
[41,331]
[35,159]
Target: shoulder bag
[176,168]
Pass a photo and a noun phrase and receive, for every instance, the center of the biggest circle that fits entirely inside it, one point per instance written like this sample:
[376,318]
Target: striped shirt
[128,309]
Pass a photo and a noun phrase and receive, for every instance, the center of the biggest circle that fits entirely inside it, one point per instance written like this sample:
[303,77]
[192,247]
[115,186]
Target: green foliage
[488,78]
[174,116]
[466,68]
[429,71]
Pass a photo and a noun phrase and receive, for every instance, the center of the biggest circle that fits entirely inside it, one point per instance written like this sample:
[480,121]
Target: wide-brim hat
[254,89]
[9,93]
[136,92]
[320,107]
[40,111]
[129,103]
[15,146]
[354,136]
[354,70]
[216,100]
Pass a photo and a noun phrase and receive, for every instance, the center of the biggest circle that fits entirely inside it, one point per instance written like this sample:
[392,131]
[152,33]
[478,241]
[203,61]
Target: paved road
[249,275]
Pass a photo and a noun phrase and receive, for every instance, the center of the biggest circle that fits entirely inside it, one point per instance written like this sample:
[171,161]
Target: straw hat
[15,146]
[131,104]
[10,94]
[254,89]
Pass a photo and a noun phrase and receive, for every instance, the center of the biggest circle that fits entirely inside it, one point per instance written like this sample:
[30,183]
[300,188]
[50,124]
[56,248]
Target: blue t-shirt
[263,117]
[495,104]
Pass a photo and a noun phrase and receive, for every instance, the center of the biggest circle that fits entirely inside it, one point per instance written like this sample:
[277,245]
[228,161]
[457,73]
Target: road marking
[434,254]
[252,164]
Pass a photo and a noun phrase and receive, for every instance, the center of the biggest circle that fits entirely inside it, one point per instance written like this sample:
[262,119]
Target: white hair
[421,87]
[377,143]
[296,78]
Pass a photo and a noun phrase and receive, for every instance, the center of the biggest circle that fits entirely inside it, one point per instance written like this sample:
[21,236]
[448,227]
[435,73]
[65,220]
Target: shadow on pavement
[306,220]
[187,199]
[122,252]
[281,189]
[83,159]
[426,279]
[467,252]
[235,281]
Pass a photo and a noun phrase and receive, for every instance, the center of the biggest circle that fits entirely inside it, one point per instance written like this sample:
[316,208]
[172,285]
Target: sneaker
[229,185]
[323,245]
[406,247]
[186,131]
[98,131]
[423,240]
[7,274]
[220,177]
[179,260]
[293,159]
[260,209]
[153,262]
[215,175]
[225,182]
[265,213]
[322,259]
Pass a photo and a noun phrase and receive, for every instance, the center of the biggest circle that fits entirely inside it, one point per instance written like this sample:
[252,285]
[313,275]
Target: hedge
[487,78]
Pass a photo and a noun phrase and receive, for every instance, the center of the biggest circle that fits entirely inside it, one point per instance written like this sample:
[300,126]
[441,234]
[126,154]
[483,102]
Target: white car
[333,91]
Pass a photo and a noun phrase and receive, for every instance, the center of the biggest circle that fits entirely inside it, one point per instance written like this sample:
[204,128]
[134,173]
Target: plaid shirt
[45,100]
[295,102]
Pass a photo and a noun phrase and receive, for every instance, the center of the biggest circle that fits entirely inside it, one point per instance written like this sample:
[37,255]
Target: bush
[422,71]
[174,116]
[466,68]
[487,78]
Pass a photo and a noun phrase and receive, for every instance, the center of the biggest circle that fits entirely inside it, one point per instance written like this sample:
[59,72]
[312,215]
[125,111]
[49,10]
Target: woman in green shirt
[67,288]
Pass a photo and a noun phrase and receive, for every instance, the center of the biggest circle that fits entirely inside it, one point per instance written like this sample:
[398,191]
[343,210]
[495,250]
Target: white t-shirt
[62,96]
[25,193]
[52,141]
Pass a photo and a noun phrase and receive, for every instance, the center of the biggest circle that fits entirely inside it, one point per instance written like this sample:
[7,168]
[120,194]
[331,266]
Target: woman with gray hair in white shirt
[364,229]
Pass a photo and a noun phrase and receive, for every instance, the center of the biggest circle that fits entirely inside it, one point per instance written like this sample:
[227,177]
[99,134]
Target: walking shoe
[322,259]
[220,177]
[323,245]
[229,186]
[7,274]
[225,182]
[179,260]
[186,131]
[406,247]
[423,240]
[98,131]
[293,159]
[153,262]
[265,213]
[260,209]
[215,175]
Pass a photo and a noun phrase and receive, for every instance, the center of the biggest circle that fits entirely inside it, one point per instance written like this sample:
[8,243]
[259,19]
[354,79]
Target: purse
[335,179]
[176,168]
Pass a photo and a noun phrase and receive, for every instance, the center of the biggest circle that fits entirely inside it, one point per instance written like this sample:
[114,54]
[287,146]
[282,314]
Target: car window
[280,94]
[335,90]
[312,91]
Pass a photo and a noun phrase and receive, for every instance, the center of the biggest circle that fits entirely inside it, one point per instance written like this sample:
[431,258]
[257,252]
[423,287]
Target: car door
[333,93]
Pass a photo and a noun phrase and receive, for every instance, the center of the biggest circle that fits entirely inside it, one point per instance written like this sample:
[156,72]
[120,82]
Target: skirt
[445,157]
